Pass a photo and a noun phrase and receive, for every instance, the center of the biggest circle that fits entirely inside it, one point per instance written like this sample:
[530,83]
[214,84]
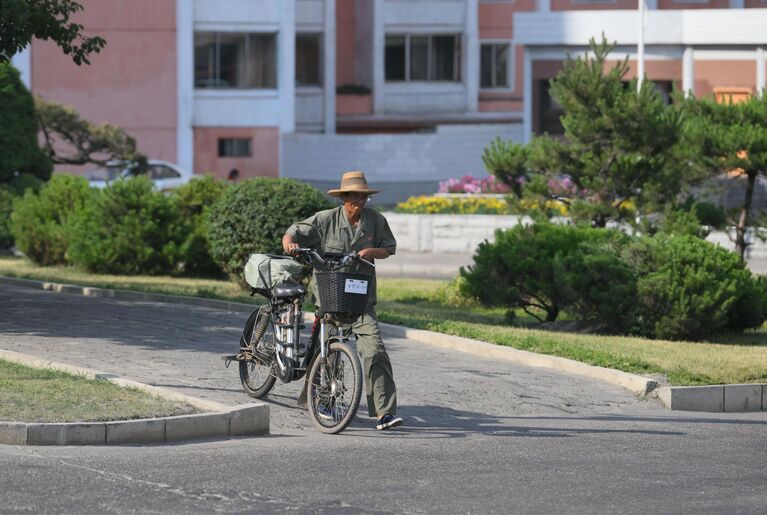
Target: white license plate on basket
[356,286]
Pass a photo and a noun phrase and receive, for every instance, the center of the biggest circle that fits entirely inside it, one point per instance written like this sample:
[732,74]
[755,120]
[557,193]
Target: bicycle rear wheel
[257,374]
[335,388]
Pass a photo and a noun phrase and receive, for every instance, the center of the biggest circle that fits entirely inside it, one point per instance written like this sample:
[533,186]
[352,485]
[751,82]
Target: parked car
[166,176]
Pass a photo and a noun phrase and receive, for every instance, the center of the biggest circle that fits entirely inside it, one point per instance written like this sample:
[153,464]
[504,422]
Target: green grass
[44,395]
[432,305]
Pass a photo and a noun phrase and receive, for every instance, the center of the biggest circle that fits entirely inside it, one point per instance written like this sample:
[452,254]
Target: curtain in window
[501,66]
[232,58]
[419,57]
[308,59]
[262,61]
[394,58]
[205,60]
[443,60]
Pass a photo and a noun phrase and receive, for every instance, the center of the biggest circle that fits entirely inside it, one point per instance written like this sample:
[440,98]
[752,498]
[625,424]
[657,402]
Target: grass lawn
[37,395]
[421,303]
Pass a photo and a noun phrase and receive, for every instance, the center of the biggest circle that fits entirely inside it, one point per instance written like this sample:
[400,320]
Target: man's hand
[288,245]
[373,253]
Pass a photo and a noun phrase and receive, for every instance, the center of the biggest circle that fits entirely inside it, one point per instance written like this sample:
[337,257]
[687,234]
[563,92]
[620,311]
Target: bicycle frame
[289,338]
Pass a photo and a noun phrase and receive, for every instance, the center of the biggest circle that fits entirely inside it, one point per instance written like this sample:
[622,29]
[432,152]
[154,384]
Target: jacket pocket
[336,246]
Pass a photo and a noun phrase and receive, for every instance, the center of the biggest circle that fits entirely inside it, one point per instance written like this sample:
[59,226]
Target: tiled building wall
[408,164]
[132,83]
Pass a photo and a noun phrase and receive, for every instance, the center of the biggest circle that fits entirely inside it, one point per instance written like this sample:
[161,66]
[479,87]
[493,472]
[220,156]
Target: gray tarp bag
[263,271]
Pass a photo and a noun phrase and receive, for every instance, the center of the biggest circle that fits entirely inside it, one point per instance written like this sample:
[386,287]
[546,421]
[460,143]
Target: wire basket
[343,292]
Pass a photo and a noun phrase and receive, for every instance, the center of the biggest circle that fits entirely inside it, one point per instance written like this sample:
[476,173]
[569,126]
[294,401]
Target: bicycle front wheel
[257,374]
[335,388]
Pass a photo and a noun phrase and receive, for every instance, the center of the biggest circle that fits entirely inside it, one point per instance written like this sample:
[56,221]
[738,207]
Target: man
[353,227]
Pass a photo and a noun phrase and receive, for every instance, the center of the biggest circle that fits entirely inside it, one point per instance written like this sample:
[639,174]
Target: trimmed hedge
[194,201]
[531,267]
[688,289]
[676,287]
[42,222]
[253,215]
[129,229]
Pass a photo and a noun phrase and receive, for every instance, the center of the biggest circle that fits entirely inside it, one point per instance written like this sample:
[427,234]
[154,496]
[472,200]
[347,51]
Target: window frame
[217,61]
[233,144]
[510,65]
[457,39]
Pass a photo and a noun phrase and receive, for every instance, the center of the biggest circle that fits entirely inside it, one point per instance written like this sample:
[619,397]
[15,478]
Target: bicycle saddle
[286,289]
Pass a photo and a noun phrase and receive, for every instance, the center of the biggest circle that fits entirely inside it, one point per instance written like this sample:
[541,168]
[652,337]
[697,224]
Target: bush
[128,229]
[194,201]
[6,208]
[19,151]
[528,267]
[42,223]
[689,289]
[23,182]
[253,215]
[710,214]
[595,284]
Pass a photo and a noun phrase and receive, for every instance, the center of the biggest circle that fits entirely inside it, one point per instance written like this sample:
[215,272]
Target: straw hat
[353,182]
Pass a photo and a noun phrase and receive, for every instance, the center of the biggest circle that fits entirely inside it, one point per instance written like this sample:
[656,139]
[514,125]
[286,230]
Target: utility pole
[640,44]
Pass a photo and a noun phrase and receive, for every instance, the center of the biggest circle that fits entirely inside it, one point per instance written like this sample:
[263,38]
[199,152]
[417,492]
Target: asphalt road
[481,436]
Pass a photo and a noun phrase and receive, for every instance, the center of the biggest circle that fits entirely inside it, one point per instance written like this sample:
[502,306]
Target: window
[422,57]
[163,172]
[234,147]
[235,60]
[308,60]
[731,95]
[494,66]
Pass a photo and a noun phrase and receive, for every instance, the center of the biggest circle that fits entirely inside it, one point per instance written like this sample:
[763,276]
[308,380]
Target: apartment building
[410,91]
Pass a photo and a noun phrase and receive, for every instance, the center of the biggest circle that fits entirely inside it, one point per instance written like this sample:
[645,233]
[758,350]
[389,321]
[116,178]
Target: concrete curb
[634,383]
[720,398]
[717,398]
[89,291]
[219,421]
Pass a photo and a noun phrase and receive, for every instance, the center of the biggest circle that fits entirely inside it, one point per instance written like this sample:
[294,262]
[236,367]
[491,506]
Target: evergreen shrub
[252,216]
[529,267]
[129,228]
[42,222]
[6,208]
[194,201]
[595,284]
[22,182]
[688,289]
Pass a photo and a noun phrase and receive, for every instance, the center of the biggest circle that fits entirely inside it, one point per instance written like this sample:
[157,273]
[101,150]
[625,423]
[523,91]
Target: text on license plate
[356,286]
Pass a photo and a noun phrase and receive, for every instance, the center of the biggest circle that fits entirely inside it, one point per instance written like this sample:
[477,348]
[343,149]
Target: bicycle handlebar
[331,256]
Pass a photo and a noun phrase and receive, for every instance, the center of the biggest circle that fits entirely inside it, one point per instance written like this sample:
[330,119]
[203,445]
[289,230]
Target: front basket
[342,292]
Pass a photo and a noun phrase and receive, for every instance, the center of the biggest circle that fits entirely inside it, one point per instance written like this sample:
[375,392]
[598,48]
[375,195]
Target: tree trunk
[740,229]
[552,313]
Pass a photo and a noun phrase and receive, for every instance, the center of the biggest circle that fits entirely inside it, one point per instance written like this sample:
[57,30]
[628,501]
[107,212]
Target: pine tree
[731,139]
[619,144]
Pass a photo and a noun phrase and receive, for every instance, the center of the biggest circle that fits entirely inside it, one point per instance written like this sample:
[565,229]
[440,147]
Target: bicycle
[271,347]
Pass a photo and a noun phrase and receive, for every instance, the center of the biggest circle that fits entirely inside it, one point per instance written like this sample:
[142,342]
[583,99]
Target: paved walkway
[481,436]
[178,347]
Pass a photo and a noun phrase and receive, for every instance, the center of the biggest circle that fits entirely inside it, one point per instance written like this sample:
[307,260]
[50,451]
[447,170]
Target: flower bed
[470,184]
[469,205]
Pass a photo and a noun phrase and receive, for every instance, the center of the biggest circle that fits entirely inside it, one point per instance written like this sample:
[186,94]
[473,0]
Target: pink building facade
[409,90]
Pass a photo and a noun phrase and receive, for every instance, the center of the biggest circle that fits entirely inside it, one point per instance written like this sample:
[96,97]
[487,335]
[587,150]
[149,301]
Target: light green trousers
[379,379]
